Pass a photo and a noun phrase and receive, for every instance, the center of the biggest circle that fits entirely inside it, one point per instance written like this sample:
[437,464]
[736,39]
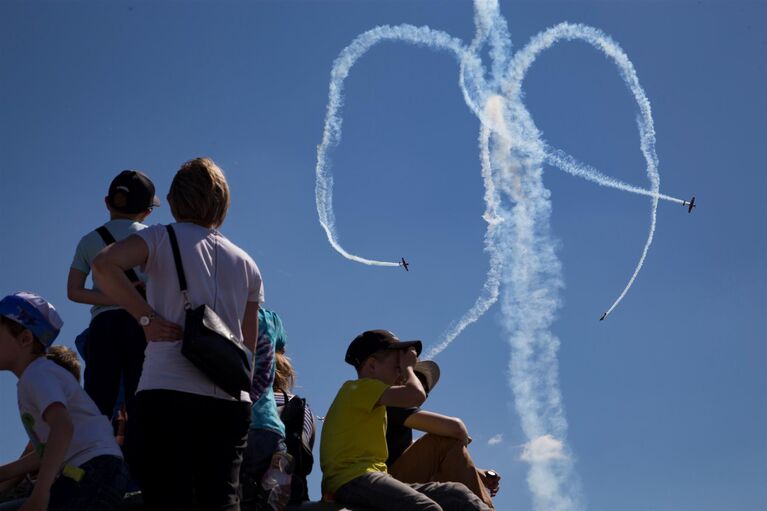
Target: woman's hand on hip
[162,330]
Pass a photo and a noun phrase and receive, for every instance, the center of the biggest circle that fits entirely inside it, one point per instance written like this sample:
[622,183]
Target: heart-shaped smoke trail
[518,239]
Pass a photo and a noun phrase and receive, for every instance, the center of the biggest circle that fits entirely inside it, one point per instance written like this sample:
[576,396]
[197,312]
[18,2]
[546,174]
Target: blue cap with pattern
[34,313]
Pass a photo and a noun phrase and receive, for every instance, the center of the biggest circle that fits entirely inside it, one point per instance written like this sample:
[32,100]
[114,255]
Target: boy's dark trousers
[114,352]
[380,491]
[189,450]
[114,355]
[100,487]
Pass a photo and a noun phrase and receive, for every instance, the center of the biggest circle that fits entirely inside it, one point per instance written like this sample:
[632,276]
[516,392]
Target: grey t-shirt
[91,244]
[219,274]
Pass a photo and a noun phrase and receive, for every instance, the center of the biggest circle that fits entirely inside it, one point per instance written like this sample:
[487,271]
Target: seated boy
[78,461]
[353,443]
[21,486]
[439,455]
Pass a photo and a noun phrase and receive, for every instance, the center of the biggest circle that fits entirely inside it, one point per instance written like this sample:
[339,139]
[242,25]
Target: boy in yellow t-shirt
[353,444]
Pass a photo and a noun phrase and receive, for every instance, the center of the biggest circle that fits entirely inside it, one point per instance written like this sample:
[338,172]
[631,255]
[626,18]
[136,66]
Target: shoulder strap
[179,264]
[105,235]
[108,239]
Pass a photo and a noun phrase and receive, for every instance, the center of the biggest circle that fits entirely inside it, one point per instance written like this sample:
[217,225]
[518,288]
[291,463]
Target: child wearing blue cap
[80,465]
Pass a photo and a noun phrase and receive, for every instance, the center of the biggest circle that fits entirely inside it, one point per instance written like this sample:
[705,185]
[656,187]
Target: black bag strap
[108,239]
[106,235]
[179,266]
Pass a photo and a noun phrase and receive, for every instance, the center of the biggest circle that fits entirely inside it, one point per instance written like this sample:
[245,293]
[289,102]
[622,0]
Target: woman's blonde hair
[199,193]
[284,374]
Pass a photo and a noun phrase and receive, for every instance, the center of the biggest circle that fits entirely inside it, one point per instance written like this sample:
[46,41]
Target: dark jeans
[189,450]
[114,351]
[380,491]
[114,356]
[262,444]
[100,489]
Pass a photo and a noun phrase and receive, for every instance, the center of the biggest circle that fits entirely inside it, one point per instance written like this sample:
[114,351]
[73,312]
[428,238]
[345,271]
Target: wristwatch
[145,320]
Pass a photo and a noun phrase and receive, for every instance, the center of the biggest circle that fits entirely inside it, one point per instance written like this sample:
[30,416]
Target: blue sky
[666,401]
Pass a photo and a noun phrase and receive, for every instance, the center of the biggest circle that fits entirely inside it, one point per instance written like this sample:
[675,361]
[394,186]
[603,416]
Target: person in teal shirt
[267,432]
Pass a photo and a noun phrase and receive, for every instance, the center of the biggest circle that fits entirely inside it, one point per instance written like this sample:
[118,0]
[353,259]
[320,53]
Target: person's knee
[445,442]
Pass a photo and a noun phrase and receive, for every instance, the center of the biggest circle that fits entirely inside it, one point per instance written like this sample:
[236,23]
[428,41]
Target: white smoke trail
[522,61]
[493,216]
[532,280]
[518,209]
[331,135]
[567,163]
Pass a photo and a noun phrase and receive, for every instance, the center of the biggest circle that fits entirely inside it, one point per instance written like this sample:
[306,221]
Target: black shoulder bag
[208,343]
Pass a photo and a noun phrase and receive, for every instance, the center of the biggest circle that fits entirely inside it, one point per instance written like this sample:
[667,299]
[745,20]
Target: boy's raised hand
[409,392]
[407,358]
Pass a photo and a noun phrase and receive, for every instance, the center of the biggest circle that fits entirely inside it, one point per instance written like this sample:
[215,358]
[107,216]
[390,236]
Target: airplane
[690,204]
[404,264]
[603,317]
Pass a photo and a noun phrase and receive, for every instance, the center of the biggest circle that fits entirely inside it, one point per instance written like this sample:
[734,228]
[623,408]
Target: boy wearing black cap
[116,343]
[353,448]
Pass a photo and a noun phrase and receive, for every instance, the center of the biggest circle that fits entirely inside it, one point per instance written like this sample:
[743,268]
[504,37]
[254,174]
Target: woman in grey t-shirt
[189,435]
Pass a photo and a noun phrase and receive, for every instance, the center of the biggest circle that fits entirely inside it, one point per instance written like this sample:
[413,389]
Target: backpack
[292,414]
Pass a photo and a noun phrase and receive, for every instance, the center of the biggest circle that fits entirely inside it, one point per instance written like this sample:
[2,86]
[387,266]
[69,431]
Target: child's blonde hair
[66,358]
[284,374]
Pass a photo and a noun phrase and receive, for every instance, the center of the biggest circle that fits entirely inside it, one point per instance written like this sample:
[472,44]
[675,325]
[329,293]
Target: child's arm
[438,424]
[410,393]
[77,292]
[58,420]
[17,469]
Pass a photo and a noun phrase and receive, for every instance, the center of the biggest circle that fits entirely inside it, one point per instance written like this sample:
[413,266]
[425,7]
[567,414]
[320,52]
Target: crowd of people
[151,419]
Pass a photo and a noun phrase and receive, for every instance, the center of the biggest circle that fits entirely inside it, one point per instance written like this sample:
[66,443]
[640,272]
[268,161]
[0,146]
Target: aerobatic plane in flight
[404,264]
[690,204]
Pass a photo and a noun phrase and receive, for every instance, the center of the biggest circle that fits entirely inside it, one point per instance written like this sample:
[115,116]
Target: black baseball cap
[374,341]
[132,192]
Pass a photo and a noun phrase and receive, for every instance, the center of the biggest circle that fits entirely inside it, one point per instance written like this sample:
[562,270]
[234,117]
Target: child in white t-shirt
[80,465]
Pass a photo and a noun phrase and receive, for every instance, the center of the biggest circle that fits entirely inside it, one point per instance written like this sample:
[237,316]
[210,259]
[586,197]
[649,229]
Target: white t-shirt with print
[44,383]
[219,274]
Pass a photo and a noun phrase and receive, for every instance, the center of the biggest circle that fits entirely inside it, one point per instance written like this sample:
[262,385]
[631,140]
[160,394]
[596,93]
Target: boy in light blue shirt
[114,350]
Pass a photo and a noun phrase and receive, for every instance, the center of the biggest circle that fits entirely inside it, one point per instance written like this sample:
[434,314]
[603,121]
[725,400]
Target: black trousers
[114,351]
[114,356]
[188,450]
